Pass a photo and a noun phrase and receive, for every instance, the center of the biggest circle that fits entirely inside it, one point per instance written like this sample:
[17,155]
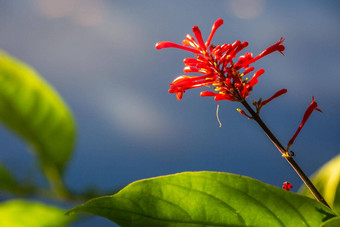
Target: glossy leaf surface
[34,110]
[206,199]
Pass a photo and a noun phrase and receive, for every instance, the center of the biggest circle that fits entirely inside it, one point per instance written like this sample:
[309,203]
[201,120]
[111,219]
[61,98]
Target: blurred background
[100,56]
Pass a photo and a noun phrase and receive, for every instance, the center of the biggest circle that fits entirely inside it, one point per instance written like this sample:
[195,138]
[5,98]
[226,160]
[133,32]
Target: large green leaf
[23,213]
[34,110]
[327,181]
[206,199]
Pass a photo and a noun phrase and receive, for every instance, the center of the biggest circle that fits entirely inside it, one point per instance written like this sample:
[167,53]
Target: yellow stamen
[286,155]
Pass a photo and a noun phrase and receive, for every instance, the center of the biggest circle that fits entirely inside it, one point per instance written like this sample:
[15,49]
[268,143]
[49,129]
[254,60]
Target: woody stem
[285,154]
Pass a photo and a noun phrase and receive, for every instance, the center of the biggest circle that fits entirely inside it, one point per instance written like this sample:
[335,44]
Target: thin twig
[285,154]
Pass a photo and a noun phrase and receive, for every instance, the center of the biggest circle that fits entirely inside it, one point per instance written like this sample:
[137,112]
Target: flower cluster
[218,66]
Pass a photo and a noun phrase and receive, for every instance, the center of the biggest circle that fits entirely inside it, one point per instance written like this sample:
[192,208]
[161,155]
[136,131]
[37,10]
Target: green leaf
[23,213]
[333,222]
[206,199]
[327,181]
[7,181]
[33,109]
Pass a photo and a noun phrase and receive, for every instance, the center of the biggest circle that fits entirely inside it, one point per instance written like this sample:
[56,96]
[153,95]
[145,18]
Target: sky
[100,56]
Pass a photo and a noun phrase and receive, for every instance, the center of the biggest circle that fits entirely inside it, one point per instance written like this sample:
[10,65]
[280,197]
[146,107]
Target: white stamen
[218,119]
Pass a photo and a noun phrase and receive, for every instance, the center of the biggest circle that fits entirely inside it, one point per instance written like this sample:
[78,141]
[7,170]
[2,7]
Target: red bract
[220,71]
[313,106]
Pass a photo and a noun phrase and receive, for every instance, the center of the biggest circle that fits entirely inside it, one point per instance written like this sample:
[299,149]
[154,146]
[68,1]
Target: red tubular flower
[313,106]
[276,47]
[277,94]
[167,44]
[215,26]
[217,66]
[287,186]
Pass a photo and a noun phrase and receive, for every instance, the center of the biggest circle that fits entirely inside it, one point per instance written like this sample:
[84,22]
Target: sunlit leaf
[333,222]
[22,213]
[33,109]
[206,199]
[327,181]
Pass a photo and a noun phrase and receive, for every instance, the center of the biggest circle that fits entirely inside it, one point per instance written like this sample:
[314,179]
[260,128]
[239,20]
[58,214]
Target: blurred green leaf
[333,222]
[7,181]
[34,110]
[206,199]
[23,213]
[327,181]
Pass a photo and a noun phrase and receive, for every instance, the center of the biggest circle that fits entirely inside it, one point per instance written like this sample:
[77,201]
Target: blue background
[100,56]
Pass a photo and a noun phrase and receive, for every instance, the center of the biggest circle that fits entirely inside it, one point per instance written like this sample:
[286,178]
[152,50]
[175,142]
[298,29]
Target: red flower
[313,106]
[277,94]
[217,65]
[287,186]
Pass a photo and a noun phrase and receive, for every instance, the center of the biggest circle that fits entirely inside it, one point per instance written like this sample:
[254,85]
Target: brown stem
[285,154]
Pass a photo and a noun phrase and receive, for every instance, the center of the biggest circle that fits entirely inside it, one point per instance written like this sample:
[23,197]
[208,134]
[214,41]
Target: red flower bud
[287,186]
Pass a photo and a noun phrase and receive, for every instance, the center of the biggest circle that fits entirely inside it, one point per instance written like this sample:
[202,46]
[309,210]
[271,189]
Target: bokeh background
[100,56]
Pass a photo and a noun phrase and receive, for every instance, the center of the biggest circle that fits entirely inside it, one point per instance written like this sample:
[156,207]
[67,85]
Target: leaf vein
[247,195]
[214,197]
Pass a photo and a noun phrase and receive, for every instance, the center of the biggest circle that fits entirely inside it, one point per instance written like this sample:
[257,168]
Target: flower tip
[260,72]
[281,47]
[218,22]
[195,28]
[281,40]
[316,104]
[166,44]
[159,45]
